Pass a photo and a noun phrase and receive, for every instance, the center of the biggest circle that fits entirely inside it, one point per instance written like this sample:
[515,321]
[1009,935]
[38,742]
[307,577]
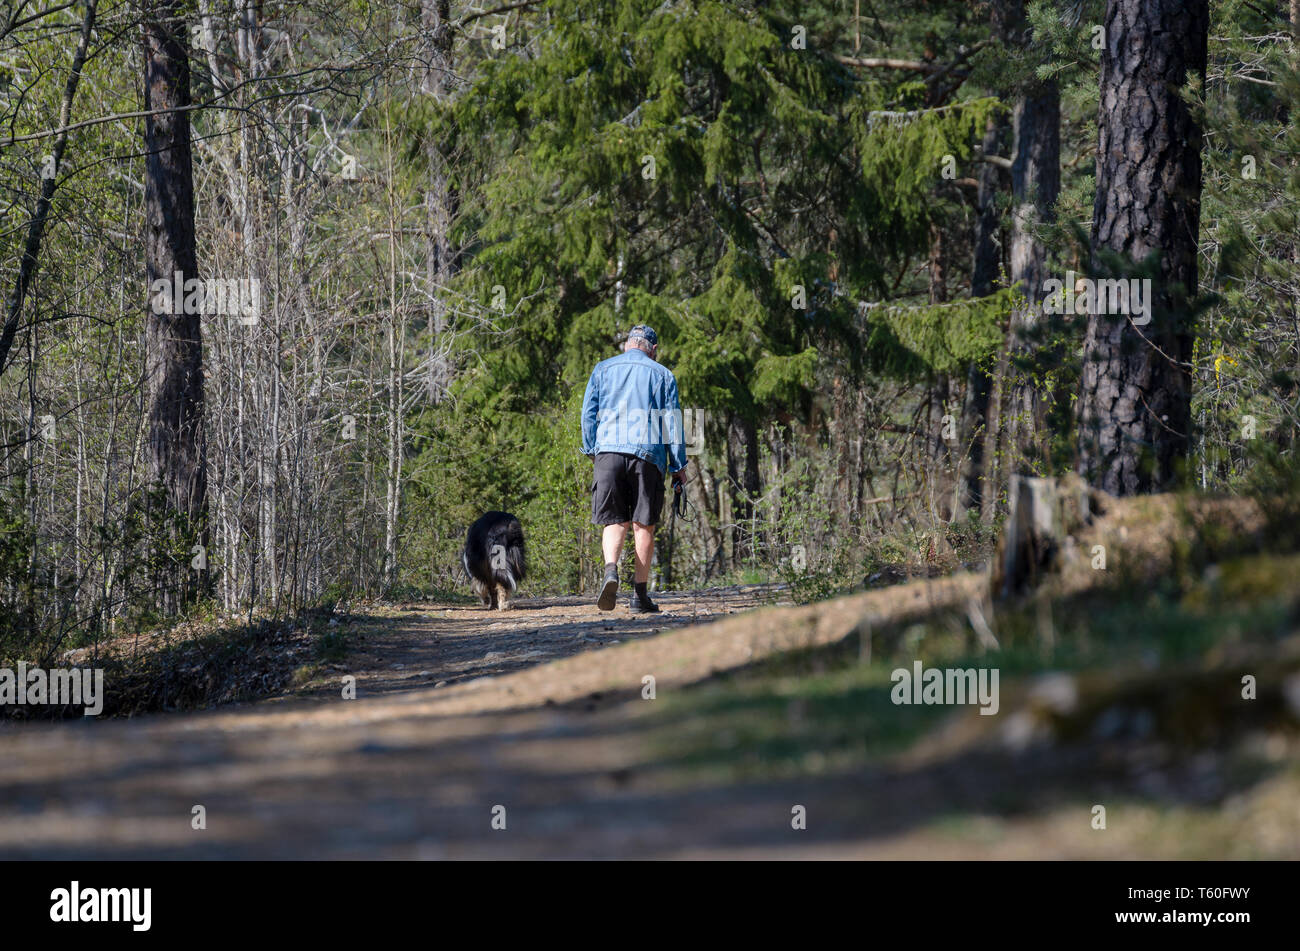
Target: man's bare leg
[611,544]
[644,539]
[611,541]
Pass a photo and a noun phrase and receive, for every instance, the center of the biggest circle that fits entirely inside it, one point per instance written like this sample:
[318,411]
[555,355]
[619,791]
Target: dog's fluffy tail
[510,537]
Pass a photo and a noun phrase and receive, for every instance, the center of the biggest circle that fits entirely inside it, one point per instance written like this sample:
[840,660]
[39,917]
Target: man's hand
[679,479]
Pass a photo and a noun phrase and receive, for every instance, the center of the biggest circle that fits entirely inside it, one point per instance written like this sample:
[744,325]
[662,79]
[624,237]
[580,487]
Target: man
[632,430]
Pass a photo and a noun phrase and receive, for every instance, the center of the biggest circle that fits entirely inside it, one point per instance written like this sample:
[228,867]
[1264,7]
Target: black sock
[640,589]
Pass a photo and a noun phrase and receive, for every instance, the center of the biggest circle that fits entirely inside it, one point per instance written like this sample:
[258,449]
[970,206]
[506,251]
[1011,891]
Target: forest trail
[539,712]
[424,645]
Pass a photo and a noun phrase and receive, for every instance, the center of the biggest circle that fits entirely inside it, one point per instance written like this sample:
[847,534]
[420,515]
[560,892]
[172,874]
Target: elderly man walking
[632,429]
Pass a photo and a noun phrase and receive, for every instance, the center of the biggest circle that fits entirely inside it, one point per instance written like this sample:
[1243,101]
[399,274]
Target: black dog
[494,558]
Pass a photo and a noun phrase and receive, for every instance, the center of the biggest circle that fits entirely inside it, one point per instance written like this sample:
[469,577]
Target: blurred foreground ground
[757,710]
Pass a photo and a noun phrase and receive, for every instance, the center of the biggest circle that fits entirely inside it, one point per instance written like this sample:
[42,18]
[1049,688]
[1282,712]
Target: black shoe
[608,590]
[641,605]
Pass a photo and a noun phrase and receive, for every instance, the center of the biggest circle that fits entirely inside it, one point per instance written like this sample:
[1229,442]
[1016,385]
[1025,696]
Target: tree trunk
[173,341]
[36,227]
[441,199]
[984,278]
[1135,409]
[396,334]
[941,428]
[753,488]
[1035,186]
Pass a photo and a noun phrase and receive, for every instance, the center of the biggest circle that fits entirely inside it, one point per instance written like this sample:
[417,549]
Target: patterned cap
[645,333]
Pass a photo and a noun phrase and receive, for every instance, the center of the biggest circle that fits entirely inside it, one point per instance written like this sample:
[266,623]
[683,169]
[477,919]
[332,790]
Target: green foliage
[1274,482]
[941,338]
[686,167]
[696,163]
[1246,398]
[527,464]
[903,154]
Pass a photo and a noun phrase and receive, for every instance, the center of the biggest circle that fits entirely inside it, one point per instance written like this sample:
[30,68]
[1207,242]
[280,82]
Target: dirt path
[539,715]
[422,645]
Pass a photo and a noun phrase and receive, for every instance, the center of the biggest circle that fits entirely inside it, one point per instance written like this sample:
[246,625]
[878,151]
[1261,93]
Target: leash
[679,508]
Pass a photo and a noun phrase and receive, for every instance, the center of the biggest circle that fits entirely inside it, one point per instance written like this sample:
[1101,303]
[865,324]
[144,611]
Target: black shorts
[626,489]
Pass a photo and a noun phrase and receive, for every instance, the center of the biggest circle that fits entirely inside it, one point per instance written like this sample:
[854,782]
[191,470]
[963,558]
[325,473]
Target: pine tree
[1135,409]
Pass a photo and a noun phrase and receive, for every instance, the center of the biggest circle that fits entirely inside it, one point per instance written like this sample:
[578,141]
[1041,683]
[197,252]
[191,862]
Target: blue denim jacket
[631,406]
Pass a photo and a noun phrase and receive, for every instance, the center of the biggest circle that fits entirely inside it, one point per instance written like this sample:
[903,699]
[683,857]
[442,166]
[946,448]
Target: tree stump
[1043,515]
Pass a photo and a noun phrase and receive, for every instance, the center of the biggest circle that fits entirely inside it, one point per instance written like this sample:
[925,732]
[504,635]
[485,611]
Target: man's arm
[677,448]
[590,410]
